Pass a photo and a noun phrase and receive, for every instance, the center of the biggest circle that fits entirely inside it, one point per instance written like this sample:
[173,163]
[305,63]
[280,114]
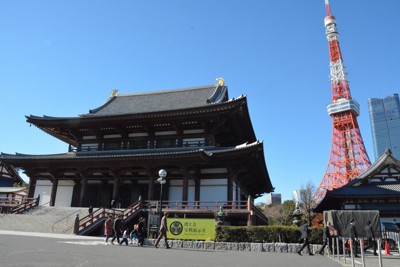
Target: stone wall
[232,246]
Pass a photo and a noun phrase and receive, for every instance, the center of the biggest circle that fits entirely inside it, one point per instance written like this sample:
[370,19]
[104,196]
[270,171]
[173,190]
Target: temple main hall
[201,137]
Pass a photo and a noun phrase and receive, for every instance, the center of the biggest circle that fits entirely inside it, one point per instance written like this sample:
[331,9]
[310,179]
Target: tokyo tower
[348,157]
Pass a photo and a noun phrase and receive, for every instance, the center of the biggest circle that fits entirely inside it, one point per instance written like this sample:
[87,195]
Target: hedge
[265,234]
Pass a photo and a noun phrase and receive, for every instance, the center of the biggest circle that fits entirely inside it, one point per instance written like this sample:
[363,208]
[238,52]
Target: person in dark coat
[369,234]
[90,210]
[305,234]
[353,236]
[162,231]
[142,230]
[326,239]
[117,227]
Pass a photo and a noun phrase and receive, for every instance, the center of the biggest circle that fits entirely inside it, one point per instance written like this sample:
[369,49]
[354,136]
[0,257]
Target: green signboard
[191,229]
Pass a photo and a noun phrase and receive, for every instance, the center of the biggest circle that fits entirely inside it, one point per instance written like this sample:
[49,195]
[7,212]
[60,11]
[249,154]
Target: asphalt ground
[38,249]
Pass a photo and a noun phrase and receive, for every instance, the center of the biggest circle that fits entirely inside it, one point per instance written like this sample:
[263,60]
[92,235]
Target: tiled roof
[161,101]
[373,189]
[208,151]
[11,189]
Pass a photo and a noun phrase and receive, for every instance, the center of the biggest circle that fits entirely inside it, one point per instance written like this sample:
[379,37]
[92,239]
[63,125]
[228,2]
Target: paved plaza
[38,249]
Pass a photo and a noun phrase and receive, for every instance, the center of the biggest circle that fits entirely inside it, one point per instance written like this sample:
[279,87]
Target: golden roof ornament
[221,82]
[114,93]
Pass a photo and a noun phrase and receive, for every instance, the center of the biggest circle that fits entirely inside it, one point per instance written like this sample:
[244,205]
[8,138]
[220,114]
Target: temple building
[201,137]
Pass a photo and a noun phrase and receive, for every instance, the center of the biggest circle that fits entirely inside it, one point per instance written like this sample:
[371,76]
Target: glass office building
[384,114]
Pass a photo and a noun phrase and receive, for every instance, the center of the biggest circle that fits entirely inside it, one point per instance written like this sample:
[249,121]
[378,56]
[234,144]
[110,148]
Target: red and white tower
[348,157]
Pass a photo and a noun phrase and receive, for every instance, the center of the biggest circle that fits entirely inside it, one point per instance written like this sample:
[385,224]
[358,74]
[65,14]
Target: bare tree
[307,203]
[280,214]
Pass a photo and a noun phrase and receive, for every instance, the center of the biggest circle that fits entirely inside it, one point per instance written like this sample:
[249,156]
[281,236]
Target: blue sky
[62,58]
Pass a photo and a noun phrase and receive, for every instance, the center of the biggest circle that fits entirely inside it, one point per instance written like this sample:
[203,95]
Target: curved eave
[52,125]
[378,165]
[248,152]
[47,121]
[207,152]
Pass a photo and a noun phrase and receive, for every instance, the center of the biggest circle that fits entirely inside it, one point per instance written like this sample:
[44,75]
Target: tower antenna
[348,156]
[328,8]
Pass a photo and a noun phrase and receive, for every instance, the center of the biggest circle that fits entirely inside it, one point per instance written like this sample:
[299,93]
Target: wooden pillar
[197,185]
[32,186]
[53,192]
[185,184]
[230,188]
[116,191]
[185,188]
[150,193]
[83,192]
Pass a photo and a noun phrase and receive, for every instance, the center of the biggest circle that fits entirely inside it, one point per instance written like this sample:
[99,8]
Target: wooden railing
[197,205]
[65,220]
[18,206]
[100,215]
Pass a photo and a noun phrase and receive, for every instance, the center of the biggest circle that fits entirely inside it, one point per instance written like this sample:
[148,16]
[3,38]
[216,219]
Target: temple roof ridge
[161,100]
[167,90]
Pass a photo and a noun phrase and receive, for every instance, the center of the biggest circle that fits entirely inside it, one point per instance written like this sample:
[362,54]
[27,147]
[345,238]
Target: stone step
[43,219]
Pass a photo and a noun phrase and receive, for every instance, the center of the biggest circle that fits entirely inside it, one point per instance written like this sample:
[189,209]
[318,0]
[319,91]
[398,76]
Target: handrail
[44,204]
[66,217]
[27,204]
[259,213]
[95,216]
[101,213]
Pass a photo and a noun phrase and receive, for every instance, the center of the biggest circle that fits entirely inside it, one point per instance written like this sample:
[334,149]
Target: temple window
[193,142]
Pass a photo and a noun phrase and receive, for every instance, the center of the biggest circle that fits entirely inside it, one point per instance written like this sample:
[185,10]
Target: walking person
[133,236]
[369,234]
[90,210]
[125,237]
[142,230]
[117,227]
[326,237]
[353,236]
[108,228]
[305,234]
[163,231]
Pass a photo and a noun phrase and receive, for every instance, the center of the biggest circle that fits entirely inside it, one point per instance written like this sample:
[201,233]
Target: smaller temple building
[12,191]
[378,188]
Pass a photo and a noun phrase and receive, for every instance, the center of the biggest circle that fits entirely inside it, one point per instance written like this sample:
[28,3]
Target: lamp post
[162,173]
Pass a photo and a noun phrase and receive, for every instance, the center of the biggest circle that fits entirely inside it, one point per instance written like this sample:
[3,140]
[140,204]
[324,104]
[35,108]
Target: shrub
[265,234]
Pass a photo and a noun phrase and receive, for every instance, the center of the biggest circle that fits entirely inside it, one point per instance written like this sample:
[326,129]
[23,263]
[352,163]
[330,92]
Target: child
[134,234]
[125,237]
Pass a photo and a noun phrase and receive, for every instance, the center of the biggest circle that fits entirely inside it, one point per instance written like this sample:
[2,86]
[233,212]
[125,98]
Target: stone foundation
[233,246]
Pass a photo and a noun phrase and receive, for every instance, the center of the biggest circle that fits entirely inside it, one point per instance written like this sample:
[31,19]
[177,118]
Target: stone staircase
[43,219]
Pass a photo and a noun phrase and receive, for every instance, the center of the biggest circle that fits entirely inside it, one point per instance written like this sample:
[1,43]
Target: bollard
[379,252]
[351,252]
[362,252]
[337,247]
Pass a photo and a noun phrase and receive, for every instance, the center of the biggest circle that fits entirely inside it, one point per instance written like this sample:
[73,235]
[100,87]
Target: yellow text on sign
[191,229]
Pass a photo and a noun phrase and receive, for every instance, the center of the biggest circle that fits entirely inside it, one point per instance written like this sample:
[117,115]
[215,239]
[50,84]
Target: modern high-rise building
[384,114]
[274,198]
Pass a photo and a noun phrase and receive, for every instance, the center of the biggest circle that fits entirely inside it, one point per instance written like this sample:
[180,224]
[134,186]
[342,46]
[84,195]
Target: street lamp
[162,173]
